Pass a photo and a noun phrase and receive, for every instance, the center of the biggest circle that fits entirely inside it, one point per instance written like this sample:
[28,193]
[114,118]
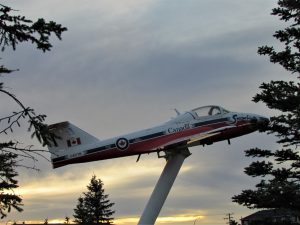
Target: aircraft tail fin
[71,139]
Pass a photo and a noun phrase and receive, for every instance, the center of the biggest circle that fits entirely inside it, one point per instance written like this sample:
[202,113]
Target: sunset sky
[125,65]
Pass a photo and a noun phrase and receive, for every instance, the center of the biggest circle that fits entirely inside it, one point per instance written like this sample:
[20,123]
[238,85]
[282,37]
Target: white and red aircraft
[200,126]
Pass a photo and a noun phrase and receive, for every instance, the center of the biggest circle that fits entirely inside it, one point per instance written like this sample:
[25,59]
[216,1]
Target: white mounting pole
[163,186]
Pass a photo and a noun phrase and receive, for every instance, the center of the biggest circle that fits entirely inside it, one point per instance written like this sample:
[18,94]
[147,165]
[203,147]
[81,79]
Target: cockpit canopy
[211,110]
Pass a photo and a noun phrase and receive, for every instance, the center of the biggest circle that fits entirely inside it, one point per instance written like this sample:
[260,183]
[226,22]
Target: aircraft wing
[201,137]
[208,134]
[188,141]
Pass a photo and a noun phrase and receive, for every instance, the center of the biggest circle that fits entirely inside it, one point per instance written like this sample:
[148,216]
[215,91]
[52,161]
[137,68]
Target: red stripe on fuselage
[144,146]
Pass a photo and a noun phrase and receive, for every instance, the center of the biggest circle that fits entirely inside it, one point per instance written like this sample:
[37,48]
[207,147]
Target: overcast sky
[125,65]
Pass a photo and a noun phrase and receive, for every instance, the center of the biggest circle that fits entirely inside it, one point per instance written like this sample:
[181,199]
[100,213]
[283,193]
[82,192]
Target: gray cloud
[123,67]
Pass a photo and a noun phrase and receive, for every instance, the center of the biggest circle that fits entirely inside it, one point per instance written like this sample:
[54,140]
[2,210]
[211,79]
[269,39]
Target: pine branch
[17,29]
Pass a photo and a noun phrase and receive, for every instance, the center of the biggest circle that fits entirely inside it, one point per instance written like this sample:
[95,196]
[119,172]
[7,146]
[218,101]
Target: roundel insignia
[122,143]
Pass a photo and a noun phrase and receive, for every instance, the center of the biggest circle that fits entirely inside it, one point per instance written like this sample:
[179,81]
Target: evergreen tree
[81,212]
[67,220]
[94,207]
[8,200]
[233,222]
[16,29]
[279,169]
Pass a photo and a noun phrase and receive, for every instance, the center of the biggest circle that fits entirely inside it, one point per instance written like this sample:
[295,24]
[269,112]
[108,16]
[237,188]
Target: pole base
[160,193]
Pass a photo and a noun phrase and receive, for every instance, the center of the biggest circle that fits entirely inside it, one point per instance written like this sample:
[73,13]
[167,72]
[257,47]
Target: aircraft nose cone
[254,120]
[258,119]
[260,122]
[263,120]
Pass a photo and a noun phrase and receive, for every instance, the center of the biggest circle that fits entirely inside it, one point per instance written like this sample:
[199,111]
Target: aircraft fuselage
[188,130]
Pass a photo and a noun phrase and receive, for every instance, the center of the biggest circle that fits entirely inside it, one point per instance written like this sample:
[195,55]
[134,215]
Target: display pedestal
[174,162]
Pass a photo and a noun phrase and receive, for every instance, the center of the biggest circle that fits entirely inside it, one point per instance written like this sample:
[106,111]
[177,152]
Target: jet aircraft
[200,126]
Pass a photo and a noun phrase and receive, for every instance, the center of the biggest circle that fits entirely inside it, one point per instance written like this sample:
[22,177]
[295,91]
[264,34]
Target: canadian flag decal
[73,141]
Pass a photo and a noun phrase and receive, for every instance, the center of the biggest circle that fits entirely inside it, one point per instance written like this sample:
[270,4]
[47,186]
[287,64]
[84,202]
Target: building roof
[24,223]
[271,213]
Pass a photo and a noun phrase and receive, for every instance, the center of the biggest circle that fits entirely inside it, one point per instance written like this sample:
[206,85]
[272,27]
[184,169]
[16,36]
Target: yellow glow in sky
[130,220]
[69,183]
